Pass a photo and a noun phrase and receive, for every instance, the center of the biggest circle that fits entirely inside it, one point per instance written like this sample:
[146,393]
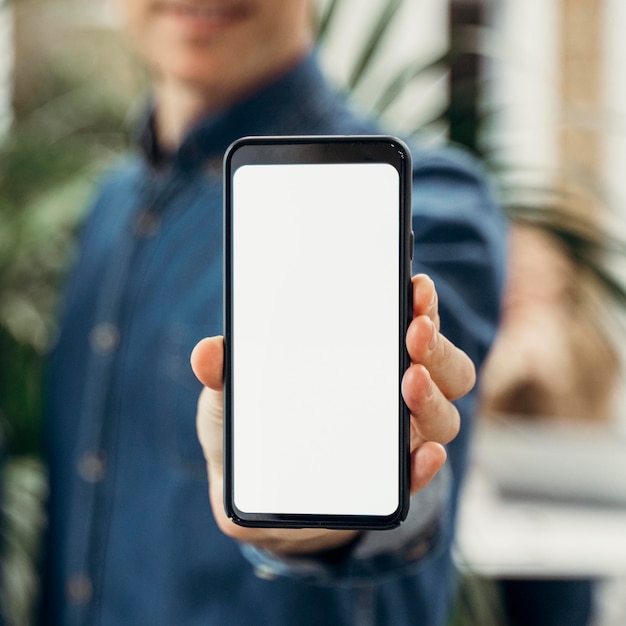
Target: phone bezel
[320,149]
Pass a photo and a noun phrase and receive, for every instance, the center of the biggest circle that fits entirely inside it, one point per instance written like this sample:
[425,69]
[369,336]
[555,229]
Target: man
[132,537]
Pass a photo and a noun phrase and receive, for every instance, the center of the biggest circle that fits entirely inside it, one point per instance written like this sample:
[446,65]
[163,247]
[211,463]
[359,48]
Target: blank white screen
[315,338]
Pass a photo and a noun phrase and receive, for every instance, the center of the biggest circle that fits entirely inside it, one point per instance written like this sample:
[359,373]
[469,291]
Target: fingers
[207,362]
[440,372]
[425,299]
[426,461]
[433,416]
[450,368]
[209,425]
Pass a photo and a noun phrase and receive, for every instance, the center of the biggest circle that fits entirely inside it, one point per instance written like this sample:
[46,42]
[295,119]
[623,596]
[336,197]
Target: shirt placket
[94,467]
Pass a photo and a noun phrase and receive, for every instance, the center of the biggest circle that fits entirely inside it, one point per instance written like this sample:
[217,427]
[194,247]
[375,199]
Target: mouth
[209,14]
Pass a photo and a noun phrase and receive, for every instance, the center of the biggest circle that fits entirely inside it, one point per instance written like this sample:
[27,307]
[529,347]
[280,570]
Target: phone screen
[317,283]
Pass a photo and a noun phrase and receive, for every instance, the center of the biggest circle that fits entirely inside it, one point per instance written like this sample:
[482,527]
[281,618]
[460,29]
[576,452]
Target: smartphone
[317,300]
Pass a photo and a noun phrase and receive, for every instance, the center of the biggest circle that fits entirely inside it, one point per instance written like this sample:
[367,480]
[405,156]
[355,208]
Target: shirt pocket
[178,390]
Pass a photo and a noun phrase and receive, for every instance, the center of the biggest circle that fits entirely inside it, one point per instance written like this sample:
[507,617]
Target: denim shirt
[131,536]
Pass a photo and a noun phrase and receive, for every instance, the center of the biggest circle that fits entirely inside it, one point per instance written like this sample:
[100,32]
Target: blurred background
[536,89]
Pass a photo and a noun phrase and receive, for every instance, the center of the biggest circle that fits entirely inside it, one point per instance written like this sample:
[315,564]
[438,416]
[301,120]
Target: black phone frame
[320,149]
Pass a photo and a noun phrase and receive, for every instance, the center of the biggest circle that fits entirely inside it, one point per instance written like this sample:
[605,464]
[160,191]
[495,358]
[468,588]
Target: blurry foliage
[479,602]
[70,125]
[467,117]
[23,491]
[386,76]
[70,107]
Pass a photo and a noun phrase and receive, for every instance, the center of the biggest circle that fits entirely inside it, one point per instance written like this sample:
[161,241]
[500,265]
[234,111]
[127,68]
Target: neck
[180,105]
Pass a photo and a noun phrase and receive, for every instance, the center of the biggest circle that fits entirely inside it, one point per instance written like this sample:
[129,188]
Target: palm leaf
[23,485]
[325,18]
[589,245]
[403,77]
[373,42]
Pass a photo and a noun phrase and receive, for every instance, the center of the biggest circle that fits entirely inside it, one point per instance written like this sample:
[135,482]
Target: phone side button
[412,244]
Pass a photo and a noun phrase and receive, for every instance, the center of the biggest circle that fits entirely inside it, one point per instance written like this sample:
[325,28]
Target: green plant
[64,133]
[478,602]
[23,488]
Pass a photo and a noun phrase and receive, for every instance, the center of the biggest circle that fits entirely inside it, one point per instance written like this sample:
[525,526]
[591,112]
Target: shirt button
[79,589]
[92,467]
[104,338]
[147,224]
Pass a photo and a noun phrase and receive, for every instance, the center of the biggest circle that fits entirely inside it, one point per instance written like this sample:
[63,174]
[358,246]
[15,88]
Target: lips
[208,12]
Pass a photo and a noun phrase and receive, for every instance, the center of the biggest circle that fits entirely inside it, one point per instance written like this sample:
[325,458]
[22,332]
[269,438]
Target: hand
[439,373]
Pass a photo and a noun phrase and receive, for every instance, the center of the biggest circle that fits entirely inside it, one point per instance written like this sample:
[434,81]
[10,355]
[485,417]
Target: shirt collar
[270,111]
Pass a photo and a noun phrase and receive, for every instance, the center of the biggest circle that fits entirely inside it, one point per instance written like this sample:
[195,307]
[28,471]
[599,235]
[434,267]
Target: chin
[196,71]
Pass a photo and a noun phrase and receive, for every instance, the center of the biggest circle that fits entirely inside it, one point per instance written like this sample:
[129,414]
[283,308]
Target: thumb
[210,427]
[207,362]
